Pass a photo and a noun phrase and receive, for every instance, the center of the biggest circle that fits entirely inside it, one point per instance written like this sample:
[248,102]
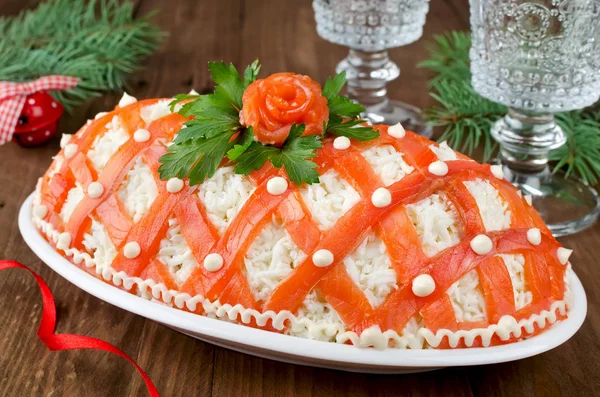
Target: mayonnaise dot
[95,190]
[141,135]
[213,262]
[341,143]
[64,241]
[277,185]
[64,140]
[481,244]
[528,199]
[126,99]
[563,255]
[174,185]
[423,285]
[40,211]
[381,197]
[497,171]
[101,114]
[534,236]
[438,168]
[70,150]
[131,250]
[396,131]
[322,258]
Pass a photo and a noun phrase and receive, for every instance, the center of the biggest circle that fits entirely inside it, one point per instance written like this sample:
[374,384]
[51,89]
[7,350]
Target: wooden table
[282,34]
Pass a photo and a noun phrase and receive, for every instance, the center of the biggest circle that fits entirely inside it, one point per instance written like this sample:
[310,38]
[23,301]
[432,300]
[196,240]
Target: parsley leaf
[180,98]
[204,128]
[250,73]
[333,86]
[350,128]
[344,114]
[241,144]
[294,156]
[341,105]
[197,159]
[229,84]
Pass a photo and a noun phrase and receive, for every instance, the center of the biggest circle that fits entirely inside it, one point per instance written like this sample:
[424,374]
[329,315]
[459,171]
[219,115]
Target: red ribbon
[13,95]
[56,342]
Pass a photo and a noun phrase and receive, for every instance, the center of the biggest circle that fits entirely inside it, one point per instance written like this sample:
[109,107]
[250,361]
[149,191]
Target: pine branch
[98,41]
[468,117]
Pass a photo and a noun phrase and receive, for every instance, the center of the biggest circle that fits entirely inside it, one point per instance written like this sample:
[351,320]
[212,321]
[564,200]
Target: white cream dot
[397,131]
[64,241]
[341,143]
[95,190]
[438,168]
[30,138]
[174,185]
[497,171]
[31,101]
[528,199]
[40,211]
[534,236]
[563,255]
[322,258]
[481,244]
[141,135]
[47,133]
[277,185]
[381,197]
[423,285]
[213,262]
[70,150]
[101,114]
[54,104]
[131,250]
[126,99]
[193,92]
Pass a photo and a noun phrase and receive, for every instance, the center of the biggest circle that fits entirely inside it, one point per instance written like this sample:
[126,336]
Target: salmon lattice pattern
[439,201]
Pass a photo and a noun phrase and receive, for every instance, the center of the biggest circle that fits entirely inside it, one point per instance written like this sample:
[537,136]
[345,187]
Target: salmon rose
[273,104]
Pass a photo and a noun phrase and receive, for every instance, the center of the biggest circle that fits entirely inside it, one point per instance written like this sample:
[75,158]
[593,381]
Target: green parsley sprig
[214,132]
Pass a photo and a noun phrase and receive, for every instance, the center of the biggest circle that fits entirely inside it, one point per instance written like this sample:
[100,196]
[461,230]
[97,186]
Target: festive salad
[272,203]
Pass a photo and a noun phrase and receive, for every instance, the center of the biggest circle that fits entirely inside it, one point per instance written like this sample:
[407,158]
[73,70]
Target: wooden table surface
[282,34]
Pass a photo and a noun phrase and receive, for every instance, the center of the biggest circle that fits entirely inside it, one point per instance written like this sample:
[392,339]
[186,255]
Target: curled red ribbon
[57,342]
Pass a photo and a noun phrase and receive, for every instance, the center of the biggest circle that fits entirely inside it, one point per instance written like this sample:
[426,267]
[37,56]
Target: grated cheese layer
[270,258]
[176,254]
[467,298]
[74,197]
[493,209]
[371,269]
[107,144]
[435,223]
[224,195]
[387,163]
[515,264]
[330,199]
[138,190]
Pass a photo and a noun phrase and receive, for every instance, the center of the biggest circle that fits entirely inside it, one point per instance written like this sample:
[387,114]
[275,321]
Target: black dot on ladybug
[54,104]
[31,101]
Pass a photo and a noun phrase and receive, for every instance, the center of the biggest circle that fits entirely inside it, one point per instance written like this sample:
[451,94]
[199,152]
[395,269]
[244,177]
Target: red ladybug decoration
[38,121]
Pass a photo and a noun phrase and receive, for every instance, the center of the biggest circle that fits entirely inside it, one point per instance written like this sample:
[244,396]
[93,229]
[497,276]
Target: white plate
[298,350]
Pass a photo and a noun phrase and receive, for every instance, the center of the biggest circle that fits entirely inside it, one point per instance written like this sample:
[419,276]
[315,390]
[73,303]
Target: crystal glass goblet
[369,28]
[539,57]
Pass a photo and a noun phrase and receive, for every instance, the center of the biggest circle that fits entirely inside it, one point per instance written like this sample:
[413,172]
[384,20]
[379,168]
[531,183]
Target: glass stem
[525,140]
[367,74]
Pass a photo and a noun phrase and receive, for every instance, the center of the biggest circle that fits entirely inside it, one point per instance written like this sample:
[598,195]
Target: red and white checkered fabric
[13,95]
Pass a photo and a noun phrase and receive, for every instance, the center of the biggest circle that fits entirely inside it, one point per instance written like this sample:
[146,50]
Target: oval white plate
[297,350]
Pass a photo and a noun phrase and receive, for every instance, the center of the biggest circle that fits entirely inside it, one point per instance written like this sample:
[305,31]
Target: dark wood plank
[282,35]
